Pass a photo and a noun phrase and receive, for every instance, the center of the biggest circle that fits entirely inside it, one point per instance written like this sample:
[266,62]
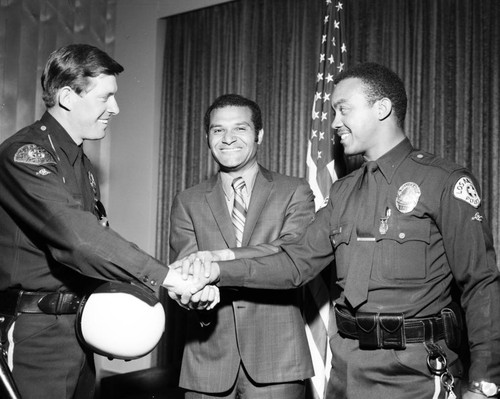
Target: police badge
[408,196]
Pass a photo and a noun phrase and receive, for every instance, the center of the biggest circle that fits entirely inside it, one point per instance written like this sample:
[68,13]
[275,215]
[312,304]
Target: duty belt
[388,330]
[18,301]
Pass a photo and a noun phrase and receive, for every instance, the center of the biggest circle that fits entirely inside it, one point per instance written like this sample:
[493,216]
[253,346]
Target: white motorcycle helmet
[120,321]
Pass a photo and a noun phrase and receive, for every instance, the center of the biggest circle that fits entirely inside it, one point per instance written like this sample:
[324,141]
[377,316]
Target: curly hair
[379,82]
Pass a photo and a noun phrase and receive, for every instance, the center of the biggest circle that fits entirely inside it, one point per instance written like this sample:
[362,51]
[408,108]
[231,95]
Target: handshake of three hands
[191,280]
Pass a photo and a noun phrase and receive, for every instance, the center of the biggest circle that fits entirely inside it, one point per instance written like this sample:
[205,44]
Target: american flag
[324,165]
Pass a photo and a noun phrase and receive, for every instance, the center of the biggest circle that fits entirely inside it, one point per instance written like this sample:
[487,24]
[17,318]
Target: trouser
[246,388]
[384,373]
[47,360]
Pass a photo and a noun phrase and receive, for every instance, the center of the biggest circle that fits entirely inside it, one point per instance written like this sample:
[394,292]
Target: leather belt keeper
[388,330]
[18,301]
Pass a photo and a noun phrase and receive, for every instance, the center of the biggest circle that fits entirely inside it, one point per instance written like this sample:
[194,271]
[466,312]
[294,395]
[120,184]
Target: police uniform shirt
[50,232]
[429,228]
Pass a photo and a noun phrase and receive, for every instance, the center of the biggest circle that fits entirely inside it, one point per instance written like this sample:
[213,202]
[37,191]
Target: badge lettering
[465,191]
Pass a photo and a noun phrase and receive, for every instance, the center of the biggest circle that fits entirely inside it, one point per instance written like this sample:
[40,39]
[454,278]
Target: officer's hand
[199,264]
[184,289]
[206,299]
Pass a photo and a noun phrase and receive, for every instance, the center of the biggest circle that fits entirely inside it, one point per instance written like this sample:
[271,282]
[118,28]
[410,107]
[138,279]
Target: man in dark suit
[253,344]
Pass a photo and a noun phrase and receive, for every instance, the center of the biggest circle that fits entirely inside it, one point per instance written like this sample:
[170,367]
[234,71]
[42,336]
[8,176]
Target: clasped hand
[200,272]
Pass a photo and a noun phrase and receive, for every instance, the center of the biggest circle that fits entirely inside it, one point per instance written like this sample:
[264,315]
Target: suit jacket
[263,329]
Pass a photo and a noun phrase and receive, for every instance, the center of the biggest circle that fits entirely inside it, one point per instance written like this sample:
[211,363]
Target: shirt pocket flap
[406,230]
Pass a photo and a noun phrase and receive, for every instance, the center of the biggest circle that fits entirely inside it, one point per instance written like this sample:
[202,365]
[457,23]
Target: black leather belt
[18,301]
[388,330]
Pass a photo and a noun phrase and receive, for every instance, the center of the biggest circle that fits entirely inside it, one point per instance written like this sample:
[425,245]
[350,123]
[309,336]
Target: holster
[8,388]
[6,321]
[380,331]
[453,325]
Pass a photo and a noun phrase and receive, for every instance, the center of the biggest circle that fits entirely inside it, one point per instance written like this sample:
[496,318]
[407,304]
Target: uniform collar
[390,161]
[61,137]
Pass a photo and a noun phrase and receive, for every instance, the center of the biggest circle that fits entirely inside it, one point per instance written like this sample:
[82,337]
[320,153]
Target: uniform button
[153,282]
[145,279]
[420,156]
[43,128]
[402,235]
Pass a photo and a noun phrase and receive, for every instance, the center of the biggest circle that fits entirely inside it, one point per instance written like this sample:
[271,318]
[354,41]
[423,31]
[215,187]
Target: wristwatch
[485,388]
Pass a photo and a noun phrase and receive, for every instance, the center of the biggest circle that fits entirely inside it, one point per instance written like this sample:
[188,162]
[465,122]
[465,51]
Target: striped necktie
[239,213]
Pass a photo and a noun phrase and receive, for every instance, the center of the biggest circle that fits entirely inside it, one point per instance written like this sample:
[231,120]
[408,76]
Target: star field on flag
[322,172]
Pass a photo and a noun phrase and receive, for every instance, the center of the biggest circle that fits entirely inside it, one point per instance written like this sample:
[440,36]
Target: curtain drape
[446,51]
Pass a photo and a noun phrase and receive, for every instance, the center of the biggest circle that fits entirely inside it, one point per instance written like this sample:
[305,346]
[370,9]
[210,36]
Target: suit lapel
[260,194]
[217,203]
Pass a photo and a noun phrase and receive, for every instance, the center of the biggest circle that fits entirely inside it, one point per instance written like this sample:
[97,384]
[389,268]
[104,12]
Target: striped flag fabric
[324,165]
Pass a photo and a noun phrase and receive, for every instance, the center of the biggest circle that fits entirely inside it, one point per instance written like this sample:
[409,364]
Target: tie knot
[371,166]
[238,183]
[79,154]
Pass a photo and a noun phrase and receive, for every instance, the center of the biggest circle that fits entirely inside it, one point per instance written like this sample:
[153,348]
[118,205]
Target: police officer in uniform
[403,229]
[55,242]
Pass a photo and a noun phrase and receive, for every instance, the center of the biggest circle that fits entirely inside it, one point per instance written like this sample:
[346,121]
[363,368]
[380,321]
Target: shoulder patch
[465,191]
[34,155]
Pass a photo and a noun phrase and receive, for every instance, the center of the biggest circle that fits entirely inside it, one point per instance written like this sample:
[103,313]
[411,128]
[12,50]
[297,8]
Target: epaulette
[33,154]
[426,158]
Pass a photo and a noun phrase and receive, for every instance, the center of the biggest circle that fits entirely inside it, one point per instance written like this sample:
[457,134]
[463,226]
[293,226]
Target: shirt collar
[61,137]
[249,176]
[390,161]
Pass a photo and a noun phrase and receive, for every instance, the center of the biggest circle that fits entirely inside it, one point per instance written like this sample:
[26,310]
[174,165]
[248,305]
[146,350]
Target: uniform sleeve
[36,198]
[299,262]
[299,213]
[469,248]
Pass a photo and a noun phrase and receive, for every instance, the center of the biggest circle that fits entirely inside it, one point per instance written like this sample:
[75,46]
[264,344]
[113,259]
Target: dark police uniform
[427,231]
[53,239]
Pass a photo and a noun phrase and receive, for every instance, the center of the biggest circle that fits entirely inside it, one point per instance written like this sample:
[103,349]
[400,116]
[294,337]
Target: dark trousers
[47,360]
[383,373]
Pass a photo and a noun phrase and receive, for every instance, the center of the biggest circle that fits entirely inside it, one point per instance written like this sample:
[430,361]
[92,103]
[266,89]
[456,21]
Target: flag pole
[325,163]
